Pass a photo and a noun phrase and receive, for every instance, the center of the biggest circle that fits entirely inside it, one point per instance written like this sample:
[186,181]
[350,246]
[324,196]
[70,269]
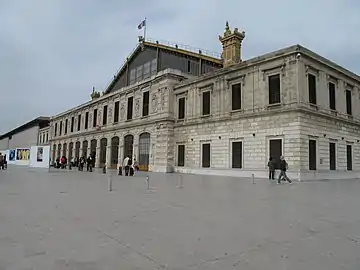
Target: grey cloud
[53,52]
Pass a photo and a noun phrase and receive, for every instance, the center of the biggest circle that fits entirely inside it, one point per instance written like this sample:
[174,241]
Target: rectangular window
[236,155]
[312,155]
[188,66]
[116,111]
[66,126]
[276,151]
[181,156]
[105,113]
[206,103]
[236,96]
[95,117]
[348,102]
[72,124]
[139,73]
[153,67]
[60,131]
[145,108]
[312,89]
[274,89]
[349,157]
[132,76]
[86,120]
[181,108]
[79,122]
[130,108]
[332,152]
[56,127]
[332,102]
[47,137]
[206,155]
[147,70]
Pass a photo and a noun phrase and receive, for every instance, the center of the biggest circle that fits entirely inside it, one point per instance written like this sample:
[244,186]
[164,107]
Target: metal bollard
[253,178]
[109,182]
[180,181]
[104,169]
[148,182]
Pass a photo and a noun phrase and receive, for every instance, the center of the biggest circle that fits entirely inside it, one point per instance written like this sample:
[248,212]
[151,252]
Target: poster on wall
[23,154]
[12,155]
[39,156]
[40,153]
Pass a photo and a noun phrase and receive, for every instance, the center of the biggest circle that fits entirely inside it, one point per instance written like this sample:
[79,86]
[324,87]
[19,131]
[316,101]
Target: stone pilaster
[108,156]
[136,147]
[164,148]
[97,157]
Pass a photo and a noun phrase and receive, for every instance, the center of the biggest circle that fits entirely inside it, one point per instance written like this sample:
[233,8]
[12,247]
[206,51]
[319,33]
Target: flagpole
[145,29]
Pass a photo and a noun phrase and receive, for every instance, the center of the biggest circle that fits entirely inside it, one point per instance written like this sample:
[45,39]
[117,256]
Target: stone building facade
[226,121]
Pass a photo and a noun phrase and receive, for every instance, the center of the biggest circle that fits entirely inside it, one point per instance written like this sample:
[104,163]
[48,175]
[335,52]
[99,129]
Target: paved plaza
[62,220]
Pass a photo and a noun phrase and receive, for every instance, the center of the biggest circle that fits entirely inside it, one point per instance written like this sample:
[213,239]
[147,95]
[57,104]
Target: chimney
[231,42]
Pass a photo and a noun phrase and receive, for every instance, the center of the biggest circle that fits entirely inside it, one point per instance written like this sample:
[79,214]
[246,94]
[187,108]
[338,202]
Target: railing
[186,48]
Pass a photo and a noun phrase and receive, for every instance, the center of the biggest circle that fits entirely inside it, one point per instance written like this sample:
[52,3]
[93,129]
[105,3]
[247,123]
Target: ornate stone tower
[231,42]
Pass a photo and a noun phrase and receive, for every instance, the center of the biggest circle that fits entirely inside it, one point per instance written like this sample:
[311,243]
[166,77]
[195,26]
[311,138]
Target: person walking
[283,169]
[271,166]
[1,162]
[126,165]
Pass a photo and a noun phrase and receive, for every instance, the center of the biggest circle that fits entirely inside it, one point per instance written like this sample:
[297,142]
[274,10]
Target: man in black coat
[283,168]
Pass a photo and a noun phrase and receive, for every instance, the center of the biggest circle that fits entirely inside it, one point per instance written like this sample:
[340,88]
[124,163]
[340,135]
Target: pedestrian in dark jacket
[283,169]
[271,165]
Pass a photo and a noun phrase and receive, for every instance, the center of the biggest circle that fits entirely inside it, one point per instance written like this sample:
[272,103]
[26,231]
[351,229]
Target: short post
[70,166]
[104,169]
[148,182]
[180,181]
[109,182]
[120,170]
[253,178]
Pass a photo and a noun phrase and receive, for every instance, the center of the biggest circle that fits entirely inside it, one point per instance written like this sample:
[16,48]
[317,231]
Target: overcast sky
[53,51]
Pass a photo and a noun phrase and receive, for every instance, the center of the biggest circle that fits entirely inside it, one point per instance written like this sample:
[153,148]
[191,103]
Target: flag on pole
[142,24]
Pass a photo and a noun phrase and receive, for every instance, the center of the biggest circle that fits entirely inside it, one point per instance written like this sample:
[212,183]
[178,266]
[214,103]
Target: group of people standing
[129,165]
[62,163]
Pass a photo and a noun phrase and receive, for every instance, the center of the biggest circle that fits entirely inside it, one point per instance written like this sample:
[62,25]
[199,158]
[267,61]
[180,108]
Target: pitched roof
[182,49]
[35,122]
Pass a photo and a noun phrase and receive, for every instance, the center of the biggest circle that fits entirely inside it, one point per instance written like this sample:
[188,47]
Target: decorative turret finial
[231,41]
[94,94]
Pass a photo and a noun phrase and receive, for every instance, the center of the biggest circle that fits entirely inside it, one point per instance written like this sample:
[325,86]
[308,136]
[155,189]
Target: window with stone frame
[332,156]
[274,89]
[116,111]
[205,155]
[47,137]
[95,118]
[275,150]
[181,155]
[130,103]
[105,115]
[56,127]
[181,108]
[206,102]
[145,105]
[79,122]
[132,78]
[66,126]
[312,155]
[236,154]
[236,96]
[312,88]
[349,160]
[348,102]
[72,124]
[332,96]
[86,120]
[60,129]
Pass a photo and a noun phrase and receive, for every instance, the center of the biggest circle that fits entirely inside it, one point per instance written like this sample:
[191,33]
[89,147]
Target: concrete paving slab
[69,220]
